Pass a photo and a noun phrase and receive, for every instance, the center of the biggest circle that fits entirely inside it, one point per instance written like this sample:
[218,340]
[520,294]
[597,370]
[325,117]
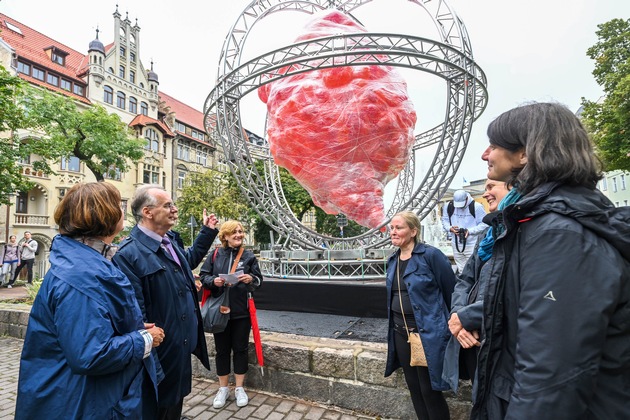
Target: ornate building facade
[114,77]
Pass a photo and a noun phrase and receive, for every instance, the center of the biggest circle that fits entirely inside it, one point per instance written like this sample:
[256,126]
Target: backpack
[450,209]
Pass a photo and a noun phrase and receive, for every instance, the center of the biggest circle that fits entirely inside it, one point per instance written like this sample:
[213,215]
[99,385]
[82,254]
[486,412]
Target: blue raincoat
[83,352]
[430,281]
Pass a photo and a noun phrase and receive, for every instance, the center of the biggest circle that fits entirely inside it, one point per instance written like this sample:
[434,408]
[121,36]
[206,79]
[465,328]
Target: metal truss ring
[450,58]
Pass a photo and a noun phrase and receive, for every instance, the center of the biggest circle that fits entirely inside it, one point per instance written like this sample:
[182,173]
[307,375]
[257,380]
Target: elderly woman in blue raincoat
[420,281]
[87,353]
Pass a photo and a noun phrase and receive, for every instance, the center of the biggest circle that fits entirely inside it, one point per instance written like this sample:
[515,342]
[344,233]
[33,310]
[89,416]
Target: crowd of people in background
[536,312]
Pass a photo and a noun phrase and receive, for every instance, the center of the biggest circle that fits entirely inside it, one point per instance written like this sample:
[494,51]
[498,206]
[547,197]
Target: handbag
[214,319]
[215,311]
[417,355]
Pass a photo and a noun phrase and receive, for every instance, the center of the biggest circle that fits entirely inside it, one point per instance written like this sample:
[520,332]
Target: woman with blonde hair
[420,282]
[233,342]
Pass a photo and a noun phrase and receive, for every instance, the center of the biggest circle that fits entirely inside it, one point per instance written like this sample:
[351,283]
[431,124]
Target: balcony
[31,219]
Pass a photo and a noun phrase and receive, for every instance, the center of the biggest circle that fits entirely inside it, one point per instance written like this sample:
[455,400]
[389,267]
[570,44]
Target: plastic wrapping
[343,132]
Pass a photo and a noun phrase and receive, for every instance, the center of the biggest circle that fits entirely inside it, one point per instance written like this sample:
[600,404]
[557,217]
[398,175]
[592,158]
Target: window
[111,70]
[604,184]
[108,95]
[123,51]
[121,99]
[180,127]
[66,85]
[13,27]
[72,164]
[132,56]
[132,76]
[183,151]
[198,135]
[58,58]
[52,79]
[23,68]
[21,203]
[133,105]
[202,157]
[625,202]
[144,108]
[616,203]
[121,72]
[614,186]
[142,85]
[152,140]
[78,90]
[181,179]
[38,74]
[151,174]
[623,181]
[113,173]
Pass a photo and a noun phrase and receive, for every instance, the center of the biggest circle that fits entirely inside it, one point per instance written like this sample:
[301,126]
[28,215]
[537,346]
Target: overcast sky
[530,50]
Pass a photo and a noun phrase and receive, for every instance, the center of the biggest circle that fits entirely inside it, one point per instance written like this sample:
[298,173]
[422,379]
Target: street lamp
[193,224]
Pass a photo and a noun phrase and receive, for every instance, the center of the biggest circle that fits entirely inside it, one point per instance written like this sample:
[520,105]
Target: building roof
[145,120]
[32,45]
[184,113]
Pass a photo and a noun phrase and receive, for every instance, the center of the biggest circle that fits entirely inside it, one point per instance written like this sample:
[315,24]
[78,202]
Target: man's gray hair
[143,198]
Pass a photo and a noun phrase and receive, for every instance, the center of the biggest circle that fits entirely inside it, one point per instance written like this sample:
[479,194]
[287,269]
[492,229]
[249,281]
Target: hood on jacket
[589,207]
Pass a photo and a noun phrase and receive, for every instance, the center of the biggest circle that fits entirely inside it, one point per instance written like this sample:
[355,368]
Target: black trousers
[233,341]
[29,268]
[428,404]
[173,412]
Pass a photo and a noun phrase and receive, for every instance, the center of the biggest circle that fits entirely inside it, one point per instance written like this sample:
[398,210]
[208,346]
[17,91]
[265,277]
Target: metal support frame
[449,58]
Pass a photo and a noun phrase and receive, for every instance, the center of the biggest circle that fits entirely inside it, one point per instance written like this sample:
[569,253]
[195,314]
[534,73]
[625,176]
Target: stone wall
[342,373]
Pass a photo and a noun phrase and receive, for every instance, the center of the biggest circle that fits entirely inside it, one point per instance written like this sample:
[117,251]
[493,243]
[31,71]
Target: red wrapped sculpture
[344,132]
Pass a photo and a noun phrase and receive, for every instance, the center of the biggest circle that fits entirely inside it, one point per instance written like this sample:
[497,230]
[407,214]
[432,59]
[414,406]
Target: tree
[12,118]
[608,120]
[99,139]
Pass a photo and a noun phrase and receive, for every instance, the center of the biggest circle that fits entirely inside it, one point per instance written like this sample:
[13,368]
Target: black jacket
[557,310]
[167,296]
[222,264]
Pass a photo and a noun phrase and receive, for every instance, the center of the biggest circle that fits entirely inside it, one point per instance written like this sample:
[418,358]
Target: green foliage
[12,117]
[608,120]
[99,139]
[33,289]
[327,224]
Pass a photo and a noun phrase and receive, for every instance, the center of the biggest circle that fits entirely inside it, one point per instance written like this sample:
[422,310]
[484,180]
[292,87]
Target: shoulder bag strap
[236,260]
[400,298]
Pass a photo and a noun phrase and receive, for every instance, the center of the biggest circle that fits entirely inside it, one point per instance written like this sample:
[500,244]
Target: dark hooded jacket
[557,310]
[167,296]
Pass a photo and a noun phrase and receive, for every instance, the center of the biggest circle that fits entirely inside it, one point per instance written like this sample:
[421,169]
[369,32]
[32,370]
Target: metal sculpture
[449,58]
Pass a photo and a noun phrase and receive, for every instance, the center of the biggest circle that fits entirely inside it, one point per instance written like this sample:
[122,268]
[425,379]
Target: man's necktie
[169,247]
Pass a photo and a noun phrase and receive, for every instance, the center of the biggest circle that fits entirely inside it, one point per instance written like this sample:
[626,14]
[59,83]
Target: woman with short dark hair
[556,309]
[87,352]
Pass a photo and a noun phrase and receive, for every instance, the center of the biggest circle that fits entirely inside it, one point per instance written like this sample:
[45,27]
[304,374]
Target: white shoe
[9,286]
[241,397]
[221,397]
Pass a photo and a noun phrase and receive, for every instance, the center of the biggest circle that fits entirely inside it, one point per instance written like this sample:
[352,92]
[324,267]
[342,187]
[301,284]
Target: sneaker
[241,397]
[221,397]
[9,286]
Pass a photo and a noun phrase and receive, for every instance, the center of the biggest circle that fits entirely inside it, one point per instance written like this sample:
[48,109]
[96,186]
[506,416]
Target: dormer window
[56,55]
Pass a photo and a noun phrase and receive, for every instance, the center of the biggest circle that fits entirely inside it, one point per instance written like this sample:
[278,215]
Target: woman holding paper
[232,258]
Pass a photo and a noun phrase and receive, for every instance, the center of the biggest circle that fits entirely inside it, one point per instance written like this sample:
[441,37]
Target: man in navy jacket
[160,270]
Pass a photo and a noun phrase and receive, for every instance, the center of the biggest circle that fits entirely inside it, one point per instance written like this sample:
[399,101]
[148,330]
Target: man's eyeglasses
[170,206]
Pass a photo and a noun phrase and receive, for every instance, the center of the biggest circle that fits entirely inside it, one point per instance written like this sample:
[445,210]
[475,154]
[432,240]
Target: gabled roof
[32,45]
[144,120]
[184,113]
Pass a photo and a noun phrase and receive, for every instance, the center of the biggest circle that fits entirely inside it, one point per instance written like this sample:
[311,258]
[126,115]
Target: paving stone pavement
[198,405]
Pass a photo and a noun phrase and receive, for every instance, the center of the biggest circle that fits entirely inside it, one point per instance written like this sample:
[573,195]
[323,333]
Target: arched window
[108,94]
[120,100]
[144,108]
[133,105]
[152,140]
